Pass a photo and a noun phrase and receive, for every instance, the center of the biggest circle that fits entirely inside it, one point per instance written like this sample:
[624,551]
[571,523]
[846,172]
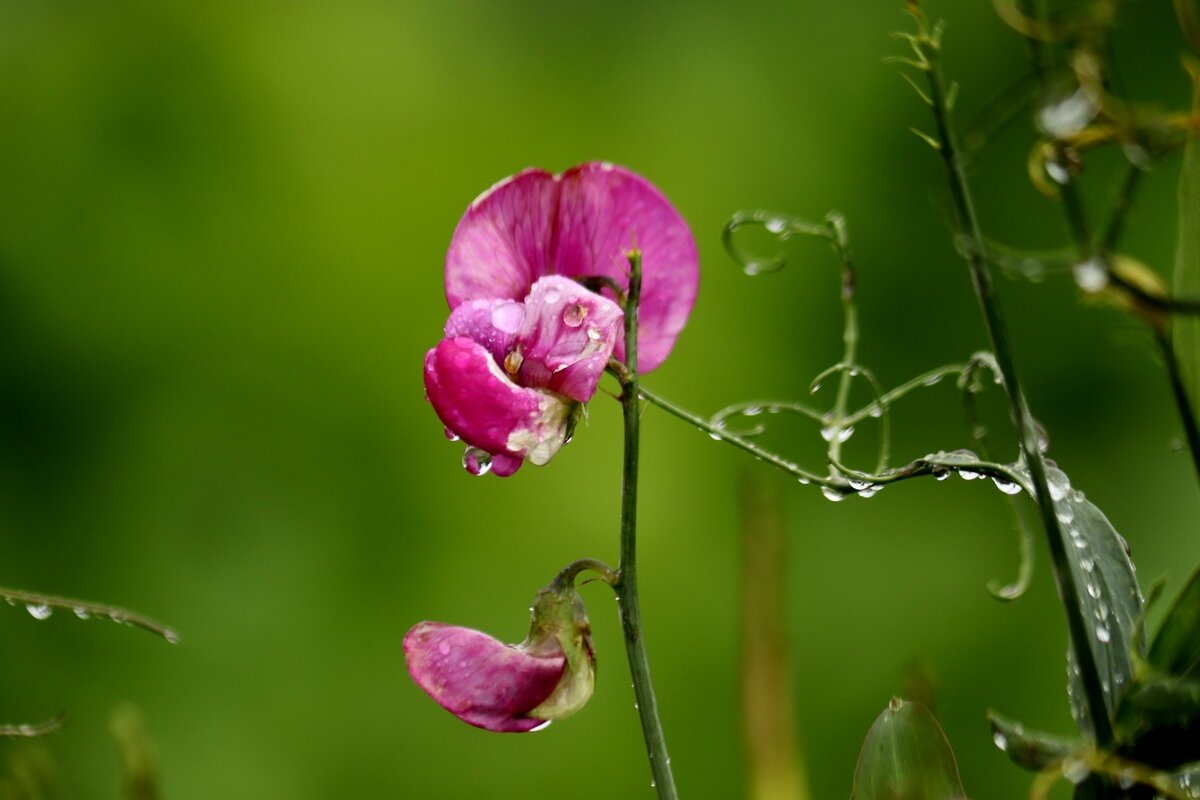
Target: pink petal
[567,337]
[480,404]
[478,320]
[579,224]
[502,243]
[481,681]
[604,210]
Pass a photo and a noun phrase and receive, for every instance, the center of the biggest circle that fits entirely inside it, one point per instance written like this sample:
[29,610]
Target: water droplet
[775,225]
[932,380]
[816,387]
[1091,275]
[1057,172]
[833,494]
[752,411]
[1093,590]
[574,315]
[940,473]
[1059,485]
[444,648]
[1067,115]
[803,481]
[870,491]
[1125,778]
[858,485]
[593,333]
[39,610]
[1075,770]
[1008,487]
[171,635]
[1102,634]
[451,435]
[1065,513]
[541,727]
[968,475]
[477,462]
[507,317]
[82,613]
[1001,740]
[833,432]
[551,297]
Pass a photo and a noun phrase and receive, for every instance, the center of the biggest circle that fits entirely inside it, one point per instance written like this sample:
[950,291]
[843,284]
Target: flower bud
[509,688]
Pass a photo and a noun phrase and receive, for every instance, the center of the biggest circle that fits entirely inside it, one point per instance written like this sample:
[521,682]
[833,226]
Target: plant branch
[41,606]
[625,583]
[977,261]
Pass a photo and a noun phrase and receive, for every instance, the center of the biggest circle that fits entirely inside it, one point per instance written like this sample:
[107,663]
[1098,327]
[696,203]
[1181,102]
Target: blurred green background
[222,228]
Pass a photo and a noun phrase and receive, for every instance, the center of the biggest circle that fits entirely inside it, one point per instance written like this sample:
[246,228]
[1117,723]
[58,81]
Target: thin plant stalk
[775,768]
[626,585]
[981,278]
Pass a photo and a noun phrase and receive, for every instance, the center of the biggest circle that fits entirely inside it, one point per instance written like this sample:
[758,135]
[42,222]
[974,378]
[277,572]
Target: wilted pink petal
[481,681]
[481,404]
[567,337]
[579,224]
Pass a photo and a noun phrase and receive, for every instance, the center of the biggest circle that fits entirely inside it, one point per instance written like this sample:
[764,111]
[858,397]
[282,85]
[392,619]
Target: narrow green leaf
[906,757]
[1028,749]
[1186,328]
[1176,647]
[1107,592]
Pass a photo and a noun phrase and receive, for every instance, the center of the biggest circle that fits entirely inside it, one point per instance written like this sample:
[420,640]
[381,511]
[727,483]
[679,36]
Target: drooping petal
[603,212]
[503,242]
[478,679]
[567,337]
[480,404]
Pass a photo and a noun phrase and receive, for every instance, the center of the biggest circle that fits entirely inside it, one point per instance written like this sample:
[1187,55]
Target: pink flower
[525,343]
[509,688]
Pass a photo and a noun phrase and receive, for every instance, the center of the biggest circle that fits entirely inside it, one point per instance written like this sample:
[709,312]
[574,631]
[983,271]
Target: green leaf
[906,757]
[1186,328]
[1163,701]
[1176,647]
[1107,592]
[1028,749]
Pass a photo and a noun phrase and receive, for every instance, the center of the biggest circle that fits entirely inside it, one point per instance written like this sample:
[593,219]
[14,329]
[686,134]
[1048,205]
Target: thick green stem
[977,260]
[626,584]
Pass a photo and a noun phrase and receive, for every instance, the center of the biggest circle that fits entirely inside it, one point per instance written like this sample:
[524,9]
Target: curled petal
[603,212]
[567,337]
[492,323]
[478,679]
[481,405]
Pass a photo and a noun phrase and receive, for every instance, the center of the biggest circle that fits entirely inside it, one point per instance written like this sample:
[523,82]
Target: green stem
[720,434]
[1182,403]
[625,584]
[977,261]
[837,422]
